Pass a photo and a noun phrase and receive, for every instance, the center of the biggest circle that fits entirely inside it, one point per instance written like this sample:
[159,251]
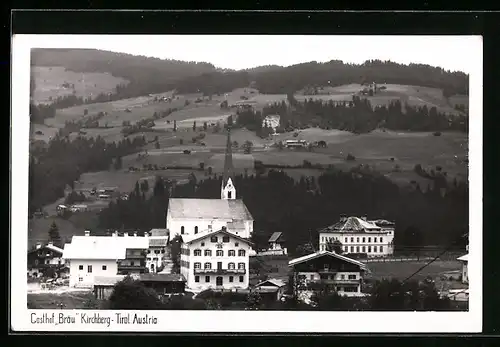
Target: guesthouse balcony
[220,271]
[135,254]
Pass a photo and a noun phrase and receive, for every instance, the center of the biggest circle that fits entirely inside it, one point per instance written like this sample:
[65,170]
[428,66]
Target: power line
[434,259]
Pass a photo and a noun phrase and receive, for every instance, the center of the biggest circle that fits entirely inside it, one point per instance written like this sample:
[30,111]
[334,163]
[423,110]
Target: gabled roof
[203,235]
[351,224]
[158,241]
[275,236]
[272,281]
[48,246]
[208,209]
[464,257]
[103,247]
[322,254]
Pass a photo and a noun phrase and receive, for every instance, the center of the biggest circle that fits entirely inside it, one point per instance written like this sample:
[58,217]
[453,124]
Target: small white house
[90,256]
[271,286]
[465,273]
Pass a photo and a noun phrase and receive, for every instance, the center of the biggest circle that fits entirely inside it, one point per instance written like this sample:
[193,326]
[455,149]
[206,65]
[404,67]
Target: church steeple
[228,191]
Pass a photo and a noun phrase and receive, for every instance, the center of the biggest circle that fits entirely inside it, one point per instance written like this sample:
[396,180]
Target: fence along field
[54,81]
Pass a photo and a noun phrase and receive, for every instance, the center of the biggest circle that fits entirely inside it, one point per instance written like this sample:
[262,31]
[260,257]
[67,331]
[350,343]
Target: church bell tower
[228,190]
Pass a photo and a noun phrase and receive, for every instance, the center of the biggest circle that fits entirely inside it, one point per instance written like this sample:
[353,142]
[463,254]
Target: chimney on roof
[224,228]
[38,245]
[364,217]
[87,232]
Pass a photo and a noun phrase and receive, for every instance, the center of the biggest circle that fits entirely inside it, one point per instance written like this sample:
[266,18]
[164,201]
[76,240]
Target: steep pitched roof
[203,235]
[275,236]
[47,246]
[208,209]
[272,281]
[351,224]
[322,254]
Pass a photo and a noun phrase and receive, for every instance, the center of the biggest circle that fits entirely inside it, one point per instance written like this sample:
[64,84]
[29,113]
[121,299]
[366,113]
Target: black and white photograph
[268,179]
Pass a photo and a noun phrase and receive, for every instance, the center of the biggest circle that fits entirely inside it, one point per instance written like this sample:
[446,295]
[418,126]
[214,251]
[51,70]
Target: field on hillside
[49,81]
[42,132]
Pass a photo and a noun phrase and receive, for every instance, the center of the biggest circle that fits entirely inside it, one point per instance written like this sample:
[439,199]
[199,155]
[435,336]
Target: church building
[215,233]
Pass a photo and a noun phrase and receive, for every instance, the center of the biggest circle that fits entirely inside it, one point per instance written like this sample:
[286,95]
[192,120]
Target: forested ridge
[152,75]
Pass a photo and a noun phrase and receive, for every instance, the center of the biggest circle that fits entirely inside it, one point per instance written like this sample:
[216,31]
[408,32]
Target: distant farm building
[271,121]
[295,143]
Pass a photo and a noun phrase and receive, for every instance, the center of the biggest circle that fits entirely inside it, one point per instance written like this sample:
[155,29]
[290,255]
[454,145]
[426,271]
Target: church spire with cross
[228,191]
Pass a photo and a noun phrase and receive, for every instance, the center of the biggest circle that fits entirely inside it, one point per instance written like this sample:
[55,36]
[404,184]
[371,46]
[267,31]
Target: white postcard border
[235,321]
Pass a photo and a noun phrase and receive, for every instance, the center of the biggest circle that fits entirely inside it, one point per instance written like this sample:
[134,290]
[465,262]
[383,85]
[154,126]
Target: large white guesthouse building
[375,238]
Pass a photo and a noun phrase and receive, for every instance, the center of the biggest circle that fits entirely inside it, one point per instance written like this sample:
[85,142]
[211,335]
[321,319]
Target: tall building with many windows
[215,235]
[359,235]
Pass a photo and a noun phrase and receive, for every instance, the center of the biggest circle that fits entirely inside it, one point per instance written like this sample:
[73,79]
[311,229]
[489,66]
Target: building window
[80,279]
[352,249]
[197,265]
[231,253]
[357,239]
[236,244]
[213,239]
[225,239]
[89,269]
[157,251]
[196,229]
[352,239]
[132,263]
[231,266]
[369,249]
[345,249]
[242,278]
[80,267]
[326,267]
[241,253]
[149,251]
[197,279]
[364,249]
[104,267]
[241,266]
[208,266]
[352,277]
[342,277]
[207,279]
[208,253]
[155,259]
[197,252]
[369,239]
[231,278]
[322,239]
[182,230]
[345,240]
[381,240]
[350,289]
[381,249]
[364,240]
[357,249]
[202,244]
[219,253]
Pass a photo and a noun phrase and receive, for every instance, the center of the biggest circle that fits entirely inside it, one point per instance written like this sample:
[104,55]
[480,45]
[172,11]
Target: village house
[104,256]
[215,260]
[331,270]
[374,238]
[42,257]
[465,273]
[158,252]
[272,288]
[276,244]
[271,121]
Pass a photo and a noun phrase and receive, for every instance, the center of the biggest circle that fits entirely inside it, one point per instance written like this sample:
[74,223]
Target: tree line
[63,161]
[278,203]
[153,75]
[357,116]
